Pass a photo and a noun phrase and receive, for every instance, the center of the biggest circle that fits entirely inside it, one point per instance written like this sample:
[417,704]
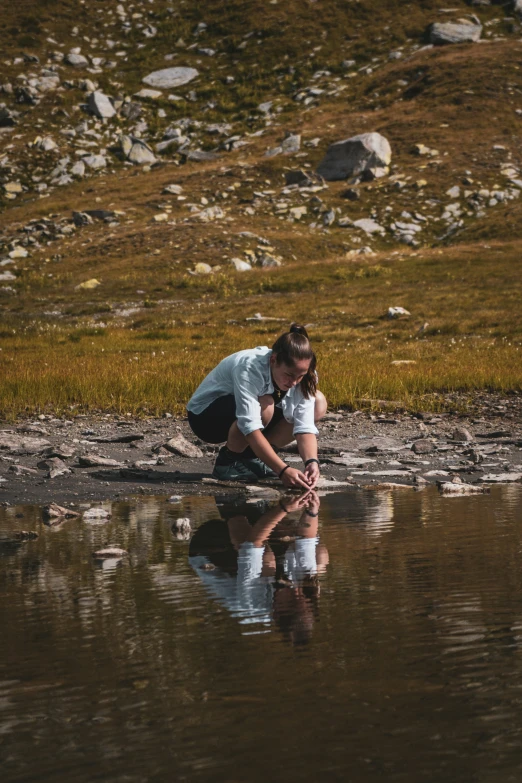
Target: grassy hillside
[330,71]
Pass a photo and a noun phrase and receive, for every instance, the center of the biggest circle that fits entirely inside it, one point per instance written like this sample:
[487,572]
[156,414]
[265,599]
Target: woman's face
[286,377]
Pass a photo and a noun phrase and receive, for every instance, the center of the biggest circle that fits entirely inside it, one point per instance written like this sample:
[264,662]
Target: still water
[381,639]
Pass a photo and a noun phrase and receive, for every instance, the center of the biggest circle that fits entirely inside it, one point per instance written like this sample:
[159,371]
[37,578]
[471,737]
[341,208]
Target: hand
[294,478]
[312,474]
[290,503]
[313,502]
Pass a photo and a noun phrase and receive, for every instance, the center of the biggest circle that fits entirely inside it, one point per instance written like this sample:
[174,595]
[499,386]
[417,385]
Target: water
[386,644]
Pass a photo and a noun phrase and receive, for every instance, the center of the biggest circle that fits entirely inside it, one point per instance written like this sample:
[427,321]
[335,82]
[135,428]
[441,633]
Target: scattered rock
[462,31]
[369,226]
[181,446]
[423,447]
[76,60]
[501,478]
[397,312]
[462,435]
[54,511]
[167,78]
[14,444]
[55,467]
[137,151]
[87,285]
[368,153]
[94,461]
[100,105]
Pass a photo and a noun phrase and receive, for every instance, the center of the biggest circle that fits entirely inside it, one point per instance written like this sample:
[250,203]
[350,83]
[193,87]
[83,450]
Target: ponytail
[293,346]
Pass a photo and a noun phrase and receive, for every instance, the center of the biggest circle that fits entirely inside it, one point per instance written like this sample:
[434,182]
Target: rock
[78,170]
[139,152]
[182,447]
[423,447]
[267,261]
[501,478]
[167,78]
[266,107]
[368,152]
[202,269]
[96,513]
[462,435]
[181,529]
[174,190]
[351,194]
[18,252]
[462,31]
[369,226]
[132,110]
[14,444]
[100,105]
[147,94]
[201,155]
[110,551]
[298,212]
[240,265]
[397,312]
[298,177]
[55,467]
[13,187]
[450,489]
[95,161]
[211,213]
[7,119]
[53,510]
[329,218]
[76,60]
[453,192]
[22,470]
[82,219]
[63,452]
[94,461]
[88,284]
[25,535]
[175,499]
[291,144]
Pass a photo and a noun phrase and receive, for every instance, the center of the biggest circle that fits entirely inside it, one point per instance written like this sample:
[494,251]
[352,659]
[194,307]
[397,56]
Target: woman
[259,399]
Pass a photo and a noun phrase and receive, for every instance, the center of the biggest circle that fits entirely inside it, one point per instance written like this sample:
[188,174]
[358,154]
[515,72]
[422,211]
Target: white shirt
[246,375]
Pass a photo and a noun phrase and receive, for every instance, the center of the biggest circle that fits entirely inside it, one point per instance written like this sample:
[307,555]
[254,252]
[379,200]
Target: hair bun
[299,329]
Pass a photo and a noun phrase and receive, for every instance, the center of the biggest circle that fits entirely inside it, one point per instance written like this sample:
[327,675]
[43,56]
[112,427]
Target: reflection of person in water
[267,567]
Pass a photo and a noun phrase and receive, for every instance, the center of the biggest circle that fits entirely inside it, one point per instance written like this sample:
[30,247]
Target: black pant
[212,424]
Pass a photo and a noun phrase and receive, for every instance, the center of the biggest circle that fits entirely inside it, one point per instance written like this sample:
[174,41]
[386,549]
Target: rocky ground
[103,458]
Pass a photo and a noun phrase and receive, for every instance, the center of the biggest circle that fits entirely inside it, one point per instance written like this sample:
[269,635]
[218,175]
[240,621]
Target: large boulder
[368,154]
[136,150]
[168,78]
[100,105]
[461,31]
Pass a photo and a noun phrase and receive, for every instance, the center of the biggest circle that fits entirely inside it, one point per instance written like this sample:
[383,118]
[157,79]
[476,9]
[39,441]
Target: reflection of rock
[181,529]
[378,518]
[110,551]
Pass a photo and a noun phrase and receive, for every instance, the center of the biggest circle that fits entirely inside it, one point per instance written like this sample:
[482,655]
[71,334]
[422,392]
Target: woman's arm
[262,449]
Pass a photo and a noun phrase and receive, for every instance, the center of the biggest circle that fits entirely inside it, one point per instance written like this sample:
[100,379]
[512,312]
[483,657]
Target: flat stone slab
[501,478]
[168,78]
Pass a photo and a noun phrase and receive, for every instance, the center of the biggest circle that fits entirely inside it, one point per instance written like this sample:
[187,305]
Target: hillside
[99,253]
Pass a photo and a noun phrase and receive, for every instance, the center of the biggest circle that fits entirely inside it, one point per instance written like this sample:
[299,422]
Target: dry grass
[472,341]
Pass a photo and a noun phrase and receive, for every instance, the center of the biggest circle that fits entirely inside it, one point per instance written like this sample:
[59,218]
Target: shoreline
[356,448]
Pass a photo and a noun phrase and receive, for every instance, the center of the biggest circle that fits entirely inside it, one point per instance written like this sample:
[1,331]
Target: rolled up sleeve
[247,389]
[303,417]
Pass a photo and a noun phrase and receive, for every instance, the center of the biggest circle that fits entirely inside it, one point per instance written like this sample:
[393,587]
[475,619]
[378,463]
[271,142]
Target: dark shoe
[232,470]
[258,467]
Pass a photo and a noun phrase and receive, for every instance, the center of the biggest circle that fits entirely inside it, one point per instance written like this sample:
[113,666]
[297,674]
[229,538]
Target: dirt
[377,449]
